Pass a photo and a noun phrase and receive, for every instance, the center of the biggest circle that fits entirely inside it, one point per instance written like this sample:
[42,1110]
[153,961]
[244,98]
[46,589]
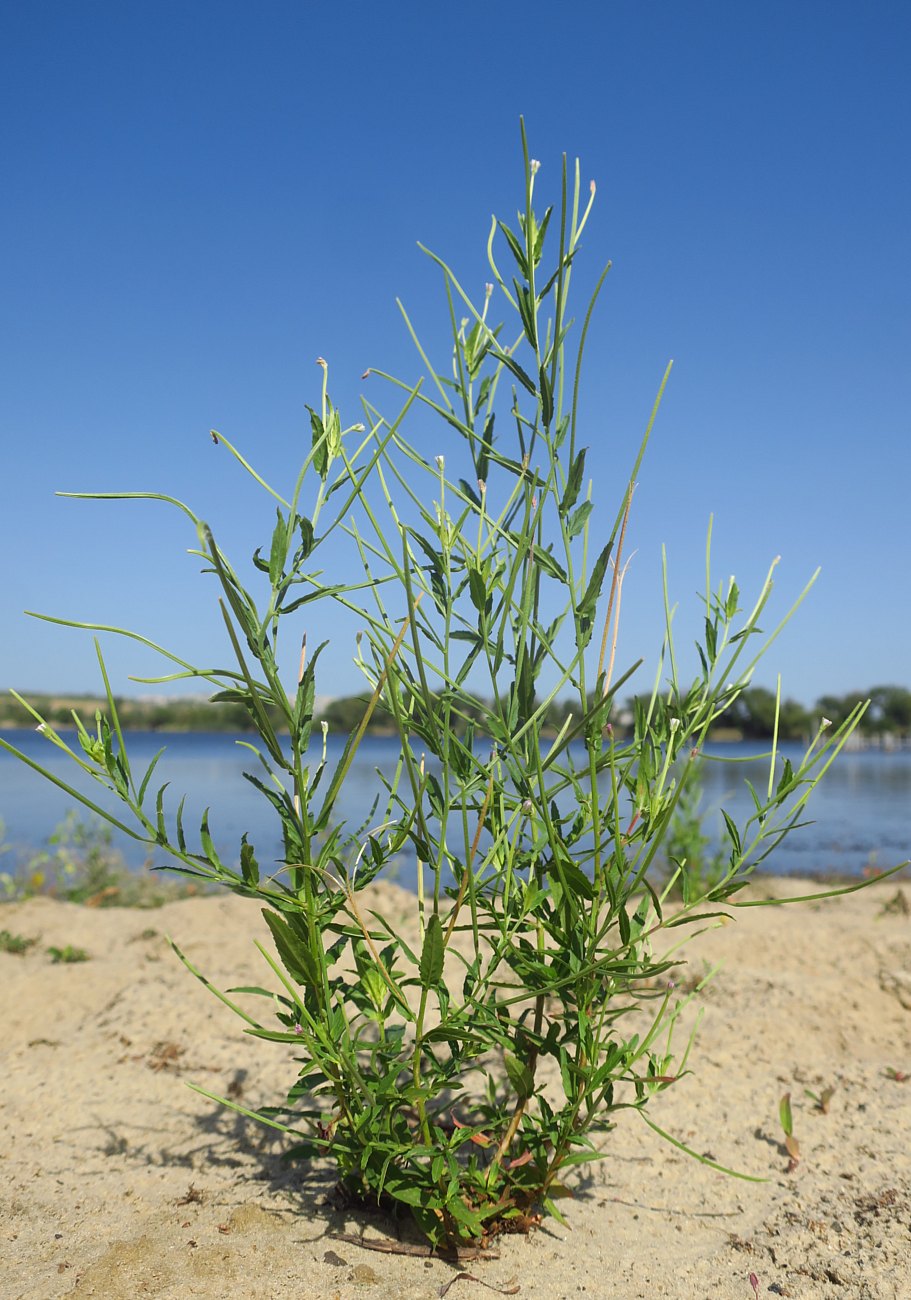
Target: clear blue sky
[199,199]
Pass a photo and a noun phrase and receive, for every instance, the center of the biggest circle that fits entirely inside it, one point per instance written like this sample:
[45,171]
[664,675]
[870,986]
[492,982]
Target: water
[861,811]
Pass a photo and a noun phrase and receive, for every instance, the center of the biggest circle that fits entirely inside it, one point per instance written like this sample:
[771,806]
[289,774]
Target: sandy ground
[117,1180]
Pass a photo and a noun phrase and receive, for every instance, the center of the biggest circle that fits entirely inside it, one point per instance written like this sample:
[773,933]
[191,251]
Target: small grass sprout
[462,1068]
[791,1145]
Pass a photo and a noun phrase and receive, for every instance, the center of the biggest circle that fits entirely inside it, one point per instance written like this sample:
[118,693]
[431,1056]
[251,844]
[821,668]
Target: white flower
[534,165]
[826,722]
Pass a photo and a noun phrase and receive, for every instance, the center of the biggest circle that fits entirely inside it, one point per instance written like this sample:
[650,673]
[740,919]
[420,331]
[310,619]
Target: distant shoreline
[752,717]
[859,743]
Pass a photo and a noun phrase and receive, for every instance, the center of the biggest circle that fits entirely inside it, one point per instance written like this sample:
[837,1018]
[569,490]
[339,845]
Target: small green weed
[68,954]
[80,865]
[791,1145]
[15,943]
[821,1100]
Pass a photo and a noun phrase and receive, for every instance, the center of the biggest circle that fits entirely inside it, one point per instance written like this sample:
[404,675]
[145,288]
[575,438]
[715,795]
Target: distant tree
[889,711]
[347,712]
[753,713]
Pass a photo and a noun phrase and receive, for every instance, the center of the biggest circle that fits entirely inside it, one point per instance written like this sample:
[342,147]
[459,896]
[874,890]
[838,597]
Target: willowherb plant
[464,1075]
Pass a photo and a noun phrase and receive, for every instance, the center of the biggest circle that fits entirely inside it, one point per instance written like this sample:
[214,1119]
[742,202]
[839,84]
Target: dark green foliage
[17,944]
[753,714]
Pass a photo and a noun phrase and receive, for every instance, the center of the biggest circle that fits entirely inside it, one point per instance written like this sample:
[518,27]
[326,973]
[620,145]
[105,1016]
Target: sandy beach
[117,1180]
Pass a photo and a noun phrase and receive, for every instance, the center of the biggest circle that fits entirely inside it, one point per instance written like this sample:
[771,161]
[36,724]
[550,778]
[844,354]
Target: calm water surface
[861,811]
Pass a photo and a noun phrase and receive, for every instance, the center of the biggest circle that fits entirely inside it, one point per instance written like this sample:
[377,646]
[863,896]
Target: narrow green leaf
[520,1076]
[527,312]
[515,247]
[181,837]
[482,464]
[538,245]
[547,396]
[574,878]
[205,838]
[159,815]
[711,641]
[733,832]
[147,778]
[477,590]
[786,781]
[578,519]
[545,560]
[573,482]
[248,865]
[295,957]
[279,548]
[306,531]
[589,601]
[319,444]
[432,953]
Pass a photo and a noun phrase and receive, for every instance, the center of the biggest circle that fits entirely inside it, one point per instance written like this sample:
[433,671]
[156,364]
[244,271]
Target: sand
[117,1180]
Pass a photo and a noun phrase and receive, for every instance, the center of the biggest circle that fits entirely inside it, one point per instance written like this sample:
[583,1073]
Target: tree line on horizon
[750,717]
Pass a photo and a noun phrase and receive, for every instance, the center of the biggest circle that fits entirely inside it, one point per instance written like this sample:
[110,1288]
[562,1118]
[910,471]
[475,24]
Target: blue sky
[201,199]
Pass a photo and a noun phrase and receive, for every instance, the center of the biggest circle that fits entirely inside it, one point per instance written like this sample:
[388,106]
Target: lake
[861,811]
